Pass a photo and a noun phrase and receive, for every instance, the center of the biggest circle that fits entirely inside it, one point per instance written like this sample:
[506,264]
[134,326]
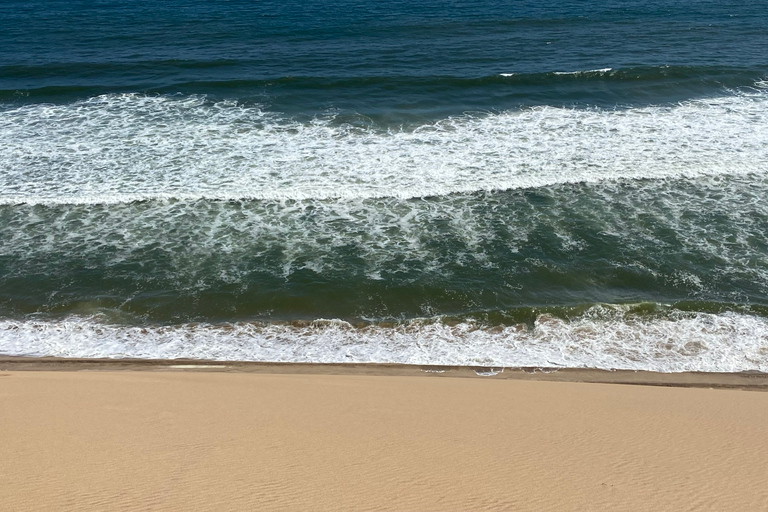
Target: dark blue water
[406,57]
[572,181]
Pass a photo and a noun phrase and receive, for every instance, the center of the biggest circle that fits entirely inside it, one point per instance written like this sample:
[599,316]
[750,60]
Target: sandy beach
[343,256]
[175,437]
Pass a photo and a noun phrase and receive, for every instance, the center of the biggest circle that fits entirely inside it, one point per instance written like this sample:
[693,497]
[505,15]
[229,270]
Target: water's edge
[752,381]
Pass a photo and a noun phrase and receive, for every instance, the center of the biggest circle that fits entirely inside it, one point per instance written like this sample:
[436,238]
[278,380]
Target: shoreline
[753,381]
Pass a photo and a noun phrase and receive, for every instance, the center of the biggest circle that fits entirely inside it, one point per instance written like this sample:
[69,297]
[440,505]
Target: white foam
[604,337]
[189,366]
[587,72]
[129,147]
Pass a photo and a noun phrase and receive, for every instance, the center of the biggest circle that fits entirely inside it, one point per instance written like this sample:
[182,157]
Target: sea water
[576,184]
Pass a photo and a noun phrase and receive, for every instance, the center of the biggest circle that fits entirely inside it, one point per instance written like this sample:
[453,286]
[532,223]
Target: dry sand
[197,440]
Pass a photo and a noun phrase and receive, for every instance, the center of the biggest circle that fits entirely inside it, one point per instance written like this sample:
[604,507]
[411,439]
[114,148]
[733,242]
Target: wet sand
[186,435]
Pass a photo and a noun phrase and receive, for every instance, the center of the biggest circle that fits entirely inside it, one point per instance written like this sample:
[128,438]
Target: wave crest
[129,147]
[604,337]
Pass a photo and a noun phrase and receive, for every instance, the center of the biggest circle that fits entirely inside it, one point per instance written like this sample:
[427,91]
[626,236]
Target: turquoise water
[581,184]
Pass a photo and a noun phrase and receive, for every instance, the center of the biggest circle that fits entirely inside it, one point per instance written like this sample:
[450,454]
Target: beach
[403,256]
[173,435]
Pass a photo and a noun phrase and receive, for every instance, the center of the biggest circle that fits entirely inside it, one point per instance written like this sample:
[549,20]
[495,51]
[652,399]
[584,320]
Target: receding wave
[608,337]
[128,147]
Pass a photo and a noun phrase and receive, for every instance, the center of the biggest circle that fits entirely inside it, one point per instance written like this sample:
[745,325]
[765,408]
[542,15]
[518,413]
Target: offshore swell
[492,183]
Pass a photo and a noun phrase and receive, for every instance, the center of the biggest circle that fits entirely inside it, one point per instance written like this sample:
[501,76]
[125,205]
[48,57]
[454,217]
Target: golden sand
[201,440]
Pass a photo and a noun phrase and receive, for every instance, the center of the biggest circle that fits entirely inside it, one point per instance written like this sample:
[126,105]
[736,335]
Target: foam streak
[602,338]
[122,148]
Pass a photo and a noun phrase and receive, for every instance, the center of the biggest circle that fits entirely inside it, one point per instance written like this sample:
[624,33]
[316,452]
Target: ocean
[497,183]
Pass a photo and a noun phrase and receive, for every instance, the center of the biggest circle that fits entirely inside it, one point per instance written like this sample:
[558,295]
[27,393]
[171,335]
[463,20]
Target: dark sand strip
[742,380]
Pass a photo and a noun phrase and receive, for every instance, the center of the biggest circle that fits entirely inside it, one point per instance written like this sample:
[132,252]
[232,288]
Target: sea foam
[128,147]
[604,337]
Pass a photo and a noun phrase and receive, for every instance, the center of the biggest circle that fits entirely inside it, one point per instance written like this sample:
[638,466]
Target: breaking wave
[607,337]
[131,147]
